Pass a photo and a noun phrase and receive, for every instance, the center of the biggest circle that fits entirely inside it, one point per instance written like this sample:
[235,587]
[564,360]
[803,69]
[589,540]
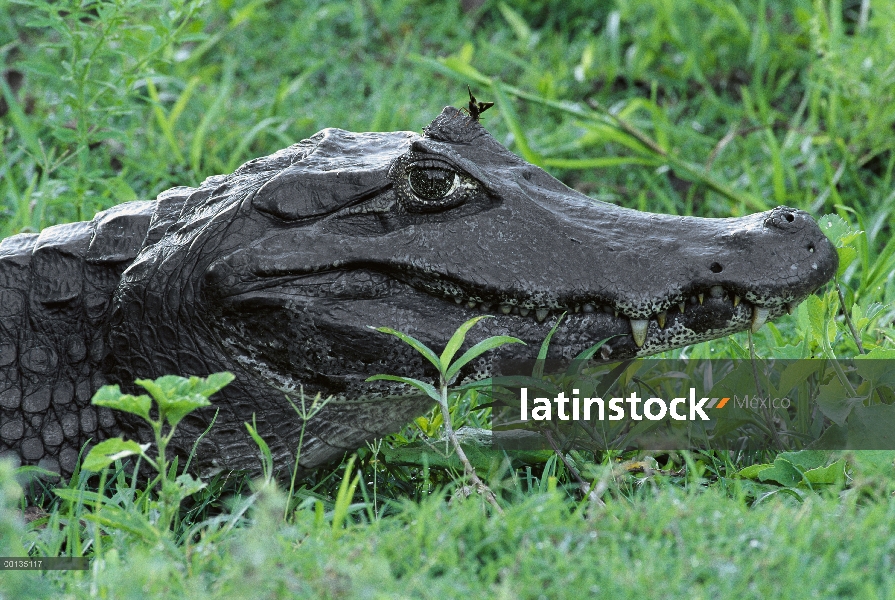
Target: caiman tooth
[541,314]
[457,299]
[472,304]
[588,308]
[681,306]
[485,306]
[790,307]
[736,301]
[638,330]
[701,297]
[505,308]
[524,311]
[660,317]
[759,316]
[577,308]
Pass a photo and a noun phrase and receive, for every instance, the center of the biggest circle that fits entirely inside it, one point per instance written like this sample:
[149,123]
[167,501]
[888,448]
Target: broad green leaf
[164,387]
[834,401]
[174,410]
[420,385]
[458,338]
[105,453]
[111,397]
[416,344]
[783,472]
[752,471]
[876,367]
[797,372]
[847,255]
[872,427]
[791,351]
[178,396]
[831,474]
[807,459]
[841,234]
[477,350]
[214,383]
[837,229]
[173,385]
[817,317]
[878,354]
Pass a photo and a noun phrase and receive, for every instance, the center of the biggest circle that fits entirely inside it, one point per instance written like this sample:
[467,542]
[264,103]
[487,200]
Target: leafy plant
[448,369]
[175,397]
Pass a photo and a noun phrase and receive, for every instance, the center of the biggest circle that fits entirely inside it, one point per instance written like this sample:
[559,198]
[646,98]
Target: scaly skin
[276,271]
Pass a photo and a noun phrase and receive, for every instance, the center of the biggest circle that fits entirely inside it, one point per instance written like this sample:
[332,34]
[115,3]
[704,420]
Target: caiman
[277,271]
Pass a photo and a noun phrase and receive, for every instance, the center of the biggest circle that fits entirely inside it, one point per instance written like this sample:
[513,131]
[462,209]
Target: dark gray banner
[680,404]
[40,563]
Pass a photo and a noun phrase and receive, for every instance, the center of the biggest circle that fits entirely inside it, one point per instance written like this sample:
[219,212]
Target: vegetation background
[708,108]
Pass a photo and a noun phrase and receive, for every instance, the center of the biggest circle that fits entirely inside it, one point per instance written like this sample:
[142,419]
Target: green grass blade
[599,162]
[511,119]
[164,122]
[266,456]
[538,370]
[20,120]
[198,143]
[344,496]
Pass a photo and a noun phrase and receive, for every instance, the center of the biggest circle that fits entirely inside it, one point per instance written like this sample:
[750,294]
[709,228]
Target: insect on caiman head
[278,270]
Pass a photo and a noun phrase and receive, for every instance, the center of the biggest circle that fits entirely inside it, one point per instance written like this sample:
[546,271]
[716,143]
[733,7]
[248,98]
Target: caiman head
[277,272]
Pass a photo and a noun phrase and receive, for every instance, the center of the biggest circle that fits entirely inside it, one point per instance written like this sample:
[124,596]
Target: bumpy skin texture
[276,272]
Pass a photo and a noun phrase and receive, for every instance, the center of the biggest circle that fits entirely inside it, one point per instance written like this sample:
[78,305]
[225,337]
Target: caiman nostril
[783,218]
[716,267]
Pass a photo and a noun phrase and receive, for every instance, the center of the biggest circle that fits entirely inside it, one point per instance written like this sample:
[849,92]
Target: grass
[709,108]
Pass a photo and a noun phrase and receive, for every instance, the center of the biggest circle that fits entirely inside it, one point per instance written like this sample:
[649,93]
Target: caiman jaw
[675,322]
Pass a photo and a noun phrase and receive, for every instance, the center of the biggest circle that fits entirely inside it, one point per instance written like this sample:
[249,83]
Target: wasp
[476,108]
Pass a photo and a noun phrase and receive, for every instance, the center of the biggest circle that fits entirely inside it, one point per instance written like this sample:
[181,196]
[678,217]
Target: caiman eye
[427,184]
[432,183]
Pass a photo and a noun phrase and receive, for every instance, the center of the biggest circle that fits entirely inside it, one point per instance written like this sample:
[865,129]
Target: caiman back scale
[276,272]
